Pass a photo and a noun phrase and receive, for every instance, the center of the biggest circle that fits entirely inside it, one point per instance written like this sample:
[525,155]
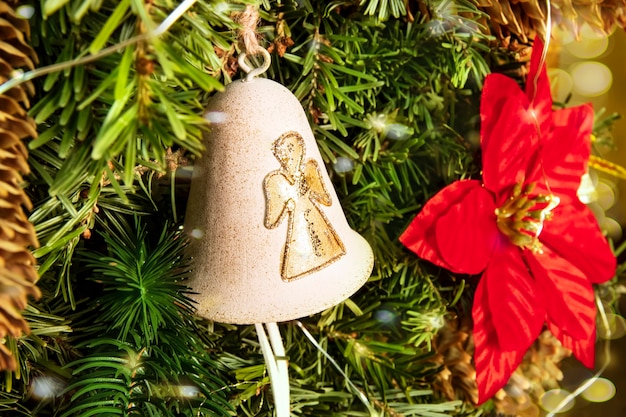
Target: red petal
[517,304]
[565,152]
[493,365]
[584,350]
[467,233]
[538,89]
[571,305]
[508,134]
[573,233]
[420,236]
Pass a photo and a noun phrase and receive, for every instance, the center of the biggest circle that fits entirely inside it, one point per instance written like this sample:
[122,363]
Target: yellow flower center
[521,217]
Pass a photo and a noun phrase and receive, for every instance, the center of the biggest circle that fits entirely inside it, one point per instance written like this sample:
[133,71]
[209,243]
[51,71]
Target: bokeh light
[437,322]
[222,7]
[590,45]
[561,84]
[215,116]
[597,211]
[197,234]
[587,189]
[361,350]
[377,122]
[397,131]
[45,387]
[612,228]
[599,391]
[188,391]
[616,326]
[591,78]
[606,194]
[551,401]
[343,165]
[25,12]
[600,195]
[443,14]
[385,315]
[565,36]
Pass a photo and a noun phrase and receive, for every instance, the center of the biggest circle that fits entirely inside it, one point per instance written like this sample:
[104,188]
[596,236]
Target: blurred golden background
[593,69]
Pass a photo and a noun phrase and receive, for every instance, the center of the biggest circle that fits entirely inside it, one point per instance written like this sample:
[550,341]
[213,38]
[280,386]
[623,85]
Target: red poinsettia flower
[538,247]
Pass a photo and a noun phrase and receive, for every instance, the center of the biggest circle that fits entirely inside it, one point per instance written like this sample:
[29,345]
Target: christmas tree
[103,106]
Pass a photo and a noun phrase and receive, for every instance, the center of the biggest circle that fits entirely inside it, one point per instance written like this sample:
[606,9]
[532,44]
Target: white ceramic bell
[270,241]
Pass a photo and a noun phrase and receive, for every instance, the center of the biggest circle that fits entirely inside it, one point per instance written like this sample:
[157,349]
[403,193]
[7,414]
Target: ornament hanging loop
[249,19]
[253,72]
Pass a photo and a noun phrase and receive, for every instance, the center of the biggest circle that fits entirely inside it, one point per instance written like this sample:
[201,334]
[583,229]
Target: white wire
[173,17]
[279,378]
[282,401]
[544,53]
[354,388]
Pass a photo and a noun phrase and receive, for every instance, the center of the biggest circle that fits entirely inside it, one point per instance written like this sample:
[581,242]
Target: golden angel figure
[296,190]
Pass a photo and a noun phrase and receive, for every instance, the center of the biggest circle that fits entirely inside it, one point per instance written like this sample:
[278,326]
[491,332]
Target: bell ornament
[269,240]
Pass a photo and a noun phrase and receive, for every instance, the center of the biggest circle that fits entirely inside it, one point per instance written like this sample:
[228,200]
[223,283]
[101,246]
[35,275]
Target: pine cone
[17,272]
[538,372]
[613,14]
[454,345]
[522,19]
[526,19]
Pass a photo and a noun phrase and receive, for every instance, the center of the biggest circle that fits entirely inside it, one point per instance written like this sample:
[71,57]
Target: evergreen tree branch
[142,354]
[102,121]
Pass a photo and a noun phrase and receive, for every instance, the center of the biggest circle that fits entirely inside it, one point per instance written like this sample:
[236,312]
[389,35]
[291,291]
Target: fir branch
[36,354]
[395,96]
[118,380]
[143,284]
[384,9]
[143,349]
[99,122]
[11,404]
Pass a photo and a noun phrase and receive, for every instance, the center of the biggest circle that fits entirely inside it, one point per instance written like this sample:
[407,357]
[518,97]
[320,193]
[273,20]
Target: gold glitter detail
[522,216]
[297,190]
